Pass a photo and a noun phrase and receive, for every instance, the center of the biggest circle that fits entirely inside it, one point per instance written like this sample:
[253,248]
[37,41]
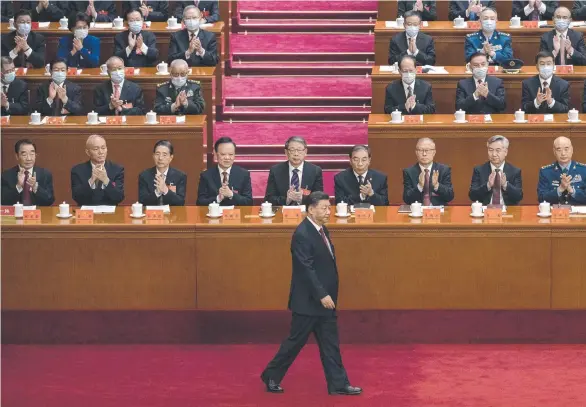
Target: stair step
[316,113]
[259,180]
[304,25]
[307,6]
[257,45]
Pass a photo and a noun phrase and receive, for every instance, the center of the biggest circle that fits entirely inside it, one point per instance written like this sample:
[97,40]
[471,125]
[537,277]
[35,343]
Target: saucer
[267,217]
[459,27]
[151,123]
[460,121]
[477,216]
[399,122]
[339,215]
[543,215]
[520,121]
[174,28]
[137,217]
[214,217]
[63,28]
[515,26]
[64,216]
[415,216]
[92,124]
[104,73]
[574,121]
[162,73]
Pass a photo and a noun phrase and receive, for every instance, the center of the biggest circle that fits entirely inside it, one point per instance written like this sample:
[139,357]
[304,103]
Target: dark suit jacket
[315,274]
[560,91]
[578,10]
[279,183]
[6,11]
[428,13]
[83,194]
[179,43]
[583,99]
[493,103]
[479,192]
[35,41]
[44,195]
[54,12]
[395,98]
[550,6]
[425,45]
[347,188]
[210,183]
[130,93]
[577,40]
[160,9]
[445,190]
[88,57]
[74,102]
[135,60]
[458,8]
[17,99]
[106,10]
[210,8]
[146,187]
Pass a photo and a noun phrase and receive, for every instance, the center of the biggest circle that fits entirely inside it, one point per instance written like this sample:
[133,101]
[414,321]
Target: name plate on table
[413,119]
[114,120]
[419,69]
[492,69]
[474,25]
[154,214]
[431,213]
[7,210]
[475,118]
[72,72]
[564,69]
[231,215]
[363,215]
[168,119]
[530,24]
[292,214]
[536,118]
[493,213]
[84,214]
[130,71]
[5,120]
[55,120]
[21,71]
[34,214]
[560,213]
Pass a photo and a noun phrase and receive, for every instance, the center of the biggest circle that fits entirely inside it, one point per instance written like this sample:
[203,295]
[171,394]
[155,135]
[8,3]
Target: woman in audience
[79,49]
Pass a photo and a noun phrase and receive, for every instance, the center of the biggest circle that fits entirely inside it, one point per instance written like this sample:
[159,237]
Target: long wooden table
[130,145]
[463,146]
[119,263]
[444,87]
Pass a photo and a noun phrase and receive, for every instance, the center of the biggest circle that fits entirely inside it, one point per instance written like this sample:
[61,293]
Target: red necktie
[426,194]
[562,51]
[496,188]
[116,96]
[26,192]
[325,239]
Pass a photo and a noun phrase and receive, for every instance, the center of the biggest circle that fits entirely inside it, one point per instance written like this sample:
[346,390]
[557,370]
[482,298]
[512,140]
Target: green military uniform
[167,94]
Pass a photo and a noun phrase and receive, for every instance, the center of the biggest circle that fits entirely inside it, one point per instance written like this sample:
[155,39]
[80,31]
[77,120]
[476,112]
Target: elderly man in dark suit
[579,10]
[136,47]
[59,96]
[480,94]
[545,92]
[566,45]
[99,11]
[424,7]
[46,10]
[25,47]
[210,10]
[409,95]
[534,10]
[118,96]
[412,42]
[469,9]
[151,10]
[198,47]
[14,95]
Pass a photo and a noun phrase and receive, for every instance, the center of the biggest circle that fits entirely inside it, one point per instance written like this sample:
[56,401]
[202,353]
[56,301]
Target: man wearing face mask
[136,46]
[59,96]
[118,96]
[496,45]
[545,93]
[566,45]
[409,95]
[480,94]
[26,48]
[180,95]
[426,8]
[196,46]
[79,49]
[534,10]
[14,94]
[412,42]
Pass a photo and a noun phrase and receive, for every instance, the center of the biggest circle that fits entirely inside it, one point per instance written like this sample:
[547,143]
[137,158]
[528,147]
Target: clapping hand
[366,189]
[197,44]
[77,45]
[418,5]
[144,9]
[491,179]
[4,100]
[115,103]
[566,182]
[421,179]
[160,185]
[20,178]
[294,196]
[548,97]
[327,302]
[556,44]
[482,89]
[503,180]
[62,93]
[99,173]
[226,192]
[410,103]
[32,182]
[541,97]
[412,46]
[568,45]
[139,42]
[435,179]
[132,40]
[21,44]
[52,91]
[193,45]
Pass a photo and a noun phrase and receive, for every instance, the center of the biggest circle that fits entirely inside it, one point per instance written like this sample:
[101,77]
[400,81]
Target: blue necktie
[295,179]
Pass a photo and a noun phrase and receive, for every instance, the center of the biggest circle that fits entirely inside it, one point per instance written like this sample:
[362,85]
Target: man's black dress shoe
[347,391]
[272,387]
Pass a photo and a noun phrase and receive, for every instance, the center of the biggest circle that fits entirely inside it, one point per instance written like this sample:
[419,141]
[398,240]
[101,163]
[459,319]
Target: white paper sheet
[579,210]
[105,209]
[166,209]
[302,207]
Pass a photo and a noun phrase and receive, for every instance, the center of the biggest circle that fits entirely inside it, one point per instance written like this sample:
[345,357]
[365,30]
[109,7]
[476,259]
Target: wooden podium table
[463,146]
[61,147]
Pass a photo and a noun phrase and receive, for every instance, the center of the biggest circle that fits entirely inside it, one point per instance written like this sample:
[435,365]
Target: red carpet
[301,43]
[397,376]
[325,5]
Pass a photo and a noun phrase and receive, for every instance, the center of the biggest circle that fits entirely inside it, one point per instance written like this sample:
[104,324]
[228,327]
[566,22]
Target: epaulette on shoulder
[547,166]
[161,84]
[580,164]
[193,81]
[473,34]
[505,34]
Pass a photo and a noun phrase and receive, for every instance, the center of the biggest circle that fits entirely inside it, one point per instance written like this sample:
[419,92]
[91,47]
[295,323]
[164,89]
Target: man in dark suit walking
[566,45]
[25,47]
[26,183]
[59,96]
[360,184]
[312,301]
[97,181]
[198,47]
[496,182]
[162,184]
[14,95]
[480,94]
[427,182]
[412,42]
[409,95]
[226,183]
[136,47]
[545,92]
[291,182]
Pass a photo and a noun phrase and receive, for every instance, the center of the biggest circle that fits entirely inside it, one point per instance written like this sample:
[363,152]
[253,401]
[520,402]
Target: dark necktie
[224,177]
[496,188]
[534,15]
[161,199]
[295,179]
[325,239]
[360,180]
[426,194]
[56,105]
[544,87]
[26,192]
[409,92]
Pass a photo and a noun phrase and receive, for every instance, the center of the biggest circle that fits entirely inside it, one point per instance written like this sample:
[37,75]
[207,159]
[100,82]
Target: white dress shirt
[198,53]
[541,80]
[144,49]
[406,88]
[300,173]
[501,170]
[419,187]
[164,174]
[220,170]
[28,52]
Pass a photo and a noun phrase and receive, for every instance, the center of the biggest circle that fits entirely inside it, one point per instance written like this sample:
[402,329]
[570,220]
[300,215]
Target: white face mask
[117,76]
[545,72]
[24,29]
[408,77]
[135,26]
[58,77]
[80,33]
[9,77]
[179,82]
[480,73]
[561,25]
[489,25]
[412,31]
[192,24]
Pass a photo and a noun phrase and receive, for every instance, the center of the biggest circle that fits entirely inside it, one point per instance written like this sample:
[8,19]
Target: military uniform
[499,40]
[167,94]
[549,181]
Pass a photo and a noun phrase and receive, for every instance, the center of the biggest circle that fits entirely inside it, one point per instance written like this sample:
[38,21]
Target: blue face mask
[412,31]
[117,76]
[561,25]
[9,77]
[546,71]
[191,24]
[58,77]
[135,26]
[24,29]
[488,25]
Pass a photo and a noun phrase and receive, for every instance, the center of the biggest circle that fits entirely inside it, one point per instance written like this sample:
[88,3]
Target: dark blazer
[398,48]
[135,60]
[83,194]
[130,93]
[106,10]
[494,103]
[458,8]
[146,188]
[210,183]
[578,10]
[560,91]
[74,102]
[445,190]
[35,41]
[88,57]
[6,11]
[395,98]
[159,9]
[210,9]
[479,192]
[347,188]
[315,273]
[44,195]
[428,13]
[583,99]
[55,11]
[279,183]
[550,6]
[18,103]
[179,43]
[577,40]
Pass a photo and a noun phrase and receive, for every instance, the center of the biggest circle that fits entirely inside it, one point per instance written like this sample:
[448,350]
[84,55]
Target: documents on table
[106,209]
[165,208]
[300,207]
[435,70]
[577,210]
[393,24]
[353,210]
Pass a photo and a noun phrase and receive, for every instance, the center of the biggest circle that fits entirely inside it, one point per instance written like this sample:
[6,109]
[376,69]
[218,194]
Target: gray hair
[488,9]
[6,61]
[295,139]
[360,147]
[412,13]
[176,62]
[421,140]
[191,7]
[495,139]
[91,138]
[112,59]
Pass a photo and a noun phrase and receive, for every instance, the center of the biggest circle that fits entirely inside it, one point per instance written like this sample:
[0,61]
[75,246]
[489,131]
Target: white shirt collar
[426,168]
[563,33]
[492,167]
[94,165]
[164,173]
[314,224]
[195,32]
[121,84]
[220,170]
[408,38]
[406,87]
[356,175]
[31,171]
[300,168]
[541,80]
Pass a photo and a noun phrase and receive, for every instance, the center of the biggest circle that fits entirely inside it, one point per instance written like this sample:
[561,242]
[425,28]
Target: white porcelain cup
[476,208]
[460,115]
[48,69]
[172,22]
[35,117]
[545,208]
[136,209]
[92,117]
[118,22]
[459,21]
[266,209]
[18,210]
[214,209]
[104,69]
[162,67]
[396,116]
[519,115]
[400,21]
[64,209]
[516,21]
[11,23]
[416,209]
[151,117]
[342,208]
[64,22]
[573,115]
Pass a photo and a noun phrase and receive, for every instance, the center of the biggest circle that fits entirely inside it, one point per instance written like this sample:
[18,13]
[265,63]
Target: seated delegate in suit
[534,10]
[578,10]
[468,9]
[99,11]
[136,47]
[162,184]
[198,47]
[564,181]
[427,182]
[225,183]
[179,95]
[496,182]
[426,8]
[45,10]
[6,11]
[360,184]
[409,95]
[14,97]
[291,182]
[480,94]
[26,183]
[97,181]
[118,96]
[25,47]
[59,96]
[210,10]
[412,42]
[545,92]
[584,99]
[79,49]
[150,10]
[566,45]
[495,44]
